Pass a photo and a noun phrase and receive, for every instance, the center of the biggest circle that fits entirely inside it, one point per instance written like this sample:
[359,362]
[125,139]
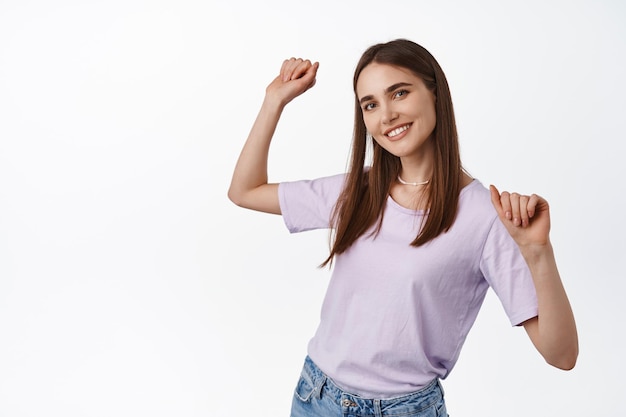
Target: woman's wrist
[273,104]
[537,253]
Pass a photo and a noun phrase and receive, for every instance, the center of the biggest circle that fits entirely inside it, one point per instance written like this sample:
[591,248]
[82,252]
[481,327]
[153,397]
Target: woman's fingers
[515,209]
[532,205]
[294,68]
[505,201]
[287,69]
[523,210]
[301,69]
[296,76]
[527,218]
[519,209]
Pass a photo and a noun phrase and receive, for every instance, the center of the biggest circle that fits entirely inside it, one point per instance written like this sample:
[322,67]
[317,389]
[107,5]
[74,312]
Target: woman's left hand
[553,331]
[527,218]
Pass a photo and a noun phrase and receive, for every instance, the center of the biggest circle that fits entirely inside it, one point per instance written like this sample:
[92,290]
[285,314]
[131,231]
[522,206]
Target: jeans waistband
[405,404]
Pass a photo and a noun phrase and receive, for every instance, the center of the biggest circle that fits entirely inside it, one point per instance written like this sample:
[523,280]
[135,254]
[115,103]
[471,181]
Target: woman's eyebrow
[387,91]
[396,86]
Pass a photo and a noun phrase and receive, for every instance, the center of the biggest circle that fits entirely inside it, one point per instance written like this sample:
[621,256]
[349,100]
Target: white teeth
[397,131]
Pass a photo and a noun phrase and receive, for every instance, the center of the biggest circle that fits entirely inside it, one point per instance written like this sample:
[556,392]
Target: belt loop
[318,390]
[441,387]
[378,412]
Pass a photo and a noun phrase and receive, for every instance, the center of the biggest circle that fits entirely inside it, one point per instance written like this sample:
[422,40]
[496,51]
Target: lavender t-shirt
[395,316]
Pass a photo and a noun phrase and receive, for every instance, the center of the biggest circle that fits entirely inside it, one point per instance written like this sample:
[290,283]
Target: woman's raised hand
[527,218]
[553,331]
[296,76]
[249,186]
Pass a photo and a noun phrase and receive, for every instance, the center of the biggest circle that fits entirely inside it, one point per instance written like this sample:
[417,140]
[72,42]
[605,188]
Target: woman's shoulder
[475,199]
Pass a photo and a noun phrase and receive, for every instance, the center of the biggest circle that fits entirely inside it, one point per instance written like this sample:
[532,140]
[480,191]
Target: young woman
[416,243]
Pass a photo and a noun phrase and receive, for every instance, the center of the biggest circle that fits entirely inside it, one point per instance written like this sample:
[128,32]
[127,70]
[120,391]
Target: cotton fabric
[395,317]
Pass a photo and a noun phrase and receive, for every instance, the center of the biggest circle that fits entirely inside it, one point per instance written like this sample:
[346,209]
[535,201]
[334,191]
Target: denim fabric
[317,396]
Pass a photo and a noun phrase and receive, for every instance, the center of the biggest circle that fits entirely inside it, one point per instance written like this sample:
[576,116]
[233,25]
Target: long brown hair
[362,201]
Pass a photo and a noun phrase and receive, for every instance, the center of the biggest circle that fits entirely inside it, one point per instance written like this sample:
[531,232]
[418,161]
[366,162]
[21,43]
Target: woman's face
[398,109]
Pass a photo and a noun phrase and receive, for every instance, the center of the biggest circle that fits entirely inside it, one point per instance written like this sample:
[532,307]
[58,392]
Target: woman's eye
[401,93]
[369,106]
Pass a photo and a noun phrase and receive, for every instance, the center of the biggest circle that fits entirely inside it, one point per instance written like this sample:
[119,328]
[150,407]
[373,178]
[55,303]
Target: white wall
[130,285]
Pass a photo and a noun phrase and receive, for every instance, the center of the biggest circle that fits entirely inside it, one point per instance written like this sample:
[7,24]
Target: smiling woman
[400,116]
[402,110]
[417,243]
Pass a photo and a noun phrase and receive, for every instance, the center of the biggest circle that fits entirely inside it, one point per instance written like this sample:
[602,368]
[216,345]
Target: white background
[131,286]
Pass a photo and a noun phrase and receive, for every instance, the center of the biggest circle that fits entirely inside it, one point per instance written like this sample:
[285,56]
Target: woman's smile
[396,133]
[398,110]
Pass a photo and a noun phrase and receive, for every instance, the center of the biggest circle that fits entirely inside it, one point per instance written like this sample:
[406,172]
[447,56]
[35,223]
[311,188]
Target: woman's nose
[389,115]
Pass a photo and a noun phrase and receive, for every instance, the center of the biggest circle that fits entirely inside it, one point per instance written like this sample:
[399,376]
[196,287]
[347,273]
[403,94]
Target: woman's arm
[553,331]
[249,187]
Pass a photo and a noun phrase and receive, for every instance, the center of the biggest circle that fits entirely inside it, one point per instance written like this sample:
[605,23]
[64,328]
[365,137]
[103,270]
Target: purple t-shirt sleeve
[308,204]
[507,273]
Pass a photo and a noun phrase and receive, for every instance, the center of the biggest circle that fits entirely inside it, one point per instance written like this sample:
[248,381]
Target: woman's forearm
[249,186]
[251,168]
[554,332]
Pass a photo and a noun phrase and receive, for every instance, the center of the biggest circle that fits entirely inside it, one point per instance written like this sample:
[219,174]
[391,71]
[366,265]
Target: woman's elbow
[263,198]
[566,360]
[235,197]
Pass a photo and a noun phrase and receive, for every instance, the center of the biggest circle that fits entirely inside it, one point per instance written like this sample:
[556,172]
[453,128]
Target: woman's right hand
[296,76]
[249,186]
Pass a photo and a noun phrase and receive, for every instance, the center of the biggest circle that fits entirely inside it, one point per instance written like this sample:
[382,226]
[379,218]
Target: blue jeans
[317,396]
